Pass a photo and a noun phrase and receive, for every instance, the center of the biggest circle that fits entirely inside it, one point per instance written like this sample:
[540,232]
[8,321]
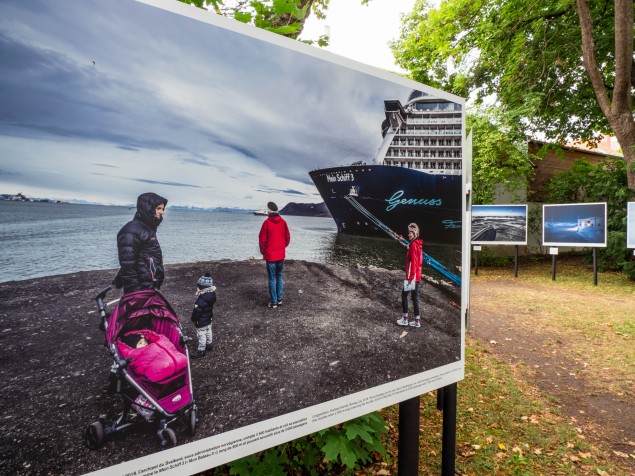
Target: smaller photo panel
[499,225]
[577,224]
[630,226]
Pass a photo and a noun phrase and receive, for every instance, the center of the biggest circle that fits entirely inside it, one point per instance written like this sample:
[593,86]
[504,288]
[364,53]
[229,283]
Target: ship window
[433,153]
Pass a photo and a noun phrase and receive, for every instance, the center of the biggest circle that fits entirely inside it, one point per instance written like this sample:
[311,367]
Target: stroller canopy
[141,309]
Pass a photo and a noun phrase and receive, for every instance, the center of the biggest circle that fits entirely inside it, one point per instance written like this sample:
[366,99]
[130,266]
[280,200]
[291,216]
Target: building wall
[552,163]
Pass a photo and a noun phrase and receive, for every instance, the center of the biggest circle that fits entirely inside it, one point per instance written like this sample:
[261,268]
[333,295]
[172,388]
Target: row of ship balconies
[455,154]
[413,131]
[397,142]
[426,164]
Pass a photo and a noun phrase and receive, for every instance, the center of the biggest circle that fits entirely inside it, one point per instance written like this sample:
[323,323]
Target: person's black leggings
[415,299]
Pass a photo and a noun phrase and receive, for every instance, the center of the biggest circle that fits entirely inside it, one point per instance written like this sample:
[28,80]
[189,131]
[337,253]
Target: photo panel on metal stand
[630,225]
[499,225]
[102,100]
[574,225]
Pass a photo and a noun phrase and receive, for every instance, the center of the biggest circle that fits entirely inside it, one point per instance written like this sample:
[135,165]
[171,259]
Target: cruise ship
[416,175]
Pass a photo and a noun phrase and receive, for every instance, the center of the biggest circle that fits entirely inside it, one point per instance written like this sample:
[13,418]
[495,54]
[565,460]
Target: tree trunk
[617,109]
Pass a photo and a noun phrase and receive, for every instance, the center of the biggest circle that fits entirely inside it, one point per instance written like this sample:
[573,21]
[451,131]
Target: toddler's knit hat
[205,281]
[272,207]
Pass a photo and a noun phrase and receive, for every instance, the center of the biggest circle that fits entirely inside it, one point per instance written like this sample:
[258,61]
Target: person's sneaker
[208,347]
[272,305]
[279,303]
[415,323]
[403,321]
[197,354]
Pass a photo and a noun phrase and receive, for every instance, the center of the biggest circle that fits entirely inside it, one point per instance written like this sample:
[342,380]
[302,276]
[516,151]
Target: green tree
[284,17]
[501,162]
[561,68]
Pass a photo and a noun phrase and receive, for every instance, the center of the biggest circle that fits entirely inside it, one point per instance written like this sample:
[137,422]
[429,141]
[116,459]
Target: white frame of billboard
[216,450]
[479,242]
[574,244]
[630,225]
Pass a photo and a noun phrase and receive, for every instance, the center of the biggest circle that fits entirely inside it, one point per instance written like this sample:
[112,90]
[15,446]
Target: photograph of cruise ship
[499,225]
[581,224]
[414,177]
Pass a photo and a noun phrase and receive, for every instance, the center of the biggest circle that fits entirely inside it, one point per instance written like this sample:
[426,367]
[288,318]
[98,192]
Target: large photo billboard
[499,225]
[103,101]
[630,225]
[577,224]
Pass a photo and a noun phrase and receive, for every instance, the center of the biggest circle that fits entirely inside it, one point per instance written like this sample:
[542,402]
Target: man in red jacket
[274,237]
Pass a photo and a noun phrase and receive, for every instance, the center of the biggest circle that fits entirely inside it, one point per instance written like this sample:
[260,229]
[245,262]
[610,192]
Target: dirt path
[555,357]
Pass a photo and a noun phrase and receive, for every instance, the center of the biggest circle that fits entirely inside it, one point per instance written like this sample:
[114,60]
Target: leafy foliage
[584,182]
[527,57]
[499,159]
[335,450]
[604,182]
[284,17]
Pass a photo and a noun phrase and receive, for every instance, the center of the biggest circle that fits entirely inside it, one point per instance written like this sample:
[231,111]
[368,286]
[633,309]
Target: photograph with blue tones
[499,225]
[576,225]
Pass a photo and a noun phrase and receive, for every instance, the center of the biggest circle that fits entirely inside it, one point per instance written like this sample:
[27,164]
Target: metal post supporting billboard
[476,249]
[448,445]
[516,262]
[595,266]
[408,446]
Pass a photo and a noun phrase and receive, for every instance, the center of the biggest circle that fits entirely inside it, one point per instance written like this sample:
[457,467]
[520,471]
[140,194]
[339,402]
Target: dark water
[43,239]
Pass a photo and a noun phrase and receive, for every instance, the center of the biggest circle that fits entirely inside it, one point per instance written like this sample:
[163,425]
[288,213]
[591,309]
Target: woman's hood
[146,205]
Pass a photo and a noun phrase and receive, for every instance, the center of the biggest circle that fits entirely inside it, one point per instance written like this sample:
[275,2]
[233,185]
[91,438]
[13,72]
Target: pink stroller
[155,384]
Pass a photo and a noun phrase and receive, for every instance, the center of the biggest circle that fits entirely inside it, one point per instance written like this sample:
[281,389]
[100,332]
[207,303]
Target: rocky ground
[335,335]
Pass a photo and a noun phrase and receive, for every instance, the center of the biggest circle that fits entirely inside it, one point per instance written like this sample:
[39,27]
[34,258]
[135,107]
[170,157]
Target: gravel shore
[335,335]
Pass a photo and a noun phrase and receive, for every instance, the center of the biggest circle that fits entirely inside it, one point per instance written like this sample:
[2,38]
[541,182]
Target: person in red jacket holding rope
[274,237]
[414,261]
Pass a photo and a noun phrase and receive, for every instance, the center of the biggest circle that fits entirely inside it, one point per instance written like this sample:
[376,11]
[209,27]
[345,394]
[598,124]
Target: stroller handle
[99,299]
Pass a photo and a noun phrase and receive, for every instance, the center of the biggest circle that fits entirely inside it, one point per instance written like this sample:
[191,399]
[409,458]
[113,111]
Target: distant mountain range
[306,210]
[292,208]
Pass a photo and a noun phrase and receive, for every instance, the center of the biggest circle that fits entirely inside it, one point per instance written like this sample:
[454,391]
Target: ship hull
[395,197]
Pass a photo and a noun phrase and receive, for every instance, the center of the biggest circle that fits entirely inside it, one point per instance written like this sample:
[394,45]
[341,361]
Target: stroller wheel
[169,438]
[192,421]
[94,436]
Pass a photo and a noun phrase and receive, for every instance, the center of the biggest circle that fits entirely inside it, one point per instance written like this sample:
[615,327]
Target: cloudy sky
[106,100]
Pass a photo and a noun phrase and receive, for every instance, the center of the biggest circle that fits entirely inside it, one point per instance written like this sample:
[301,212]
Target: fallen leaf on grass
[502,447]
[403,334]
[383,472]
[500,455]
[602,473]
[467,454]
[574,458]
[570,445]
[537,451]
[517,449]
[585,455]
[476,447]
[489,439]
[620,454]
[493,342]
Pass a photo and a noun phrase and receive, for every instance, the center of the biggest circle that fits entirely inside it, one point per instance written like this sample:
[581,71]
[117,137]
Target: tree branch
[588,54]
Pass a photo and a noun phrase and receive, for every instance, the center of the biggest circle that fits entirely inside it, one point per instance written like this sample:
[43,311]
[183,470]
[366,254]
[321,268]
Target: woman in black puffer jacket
[140,254]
